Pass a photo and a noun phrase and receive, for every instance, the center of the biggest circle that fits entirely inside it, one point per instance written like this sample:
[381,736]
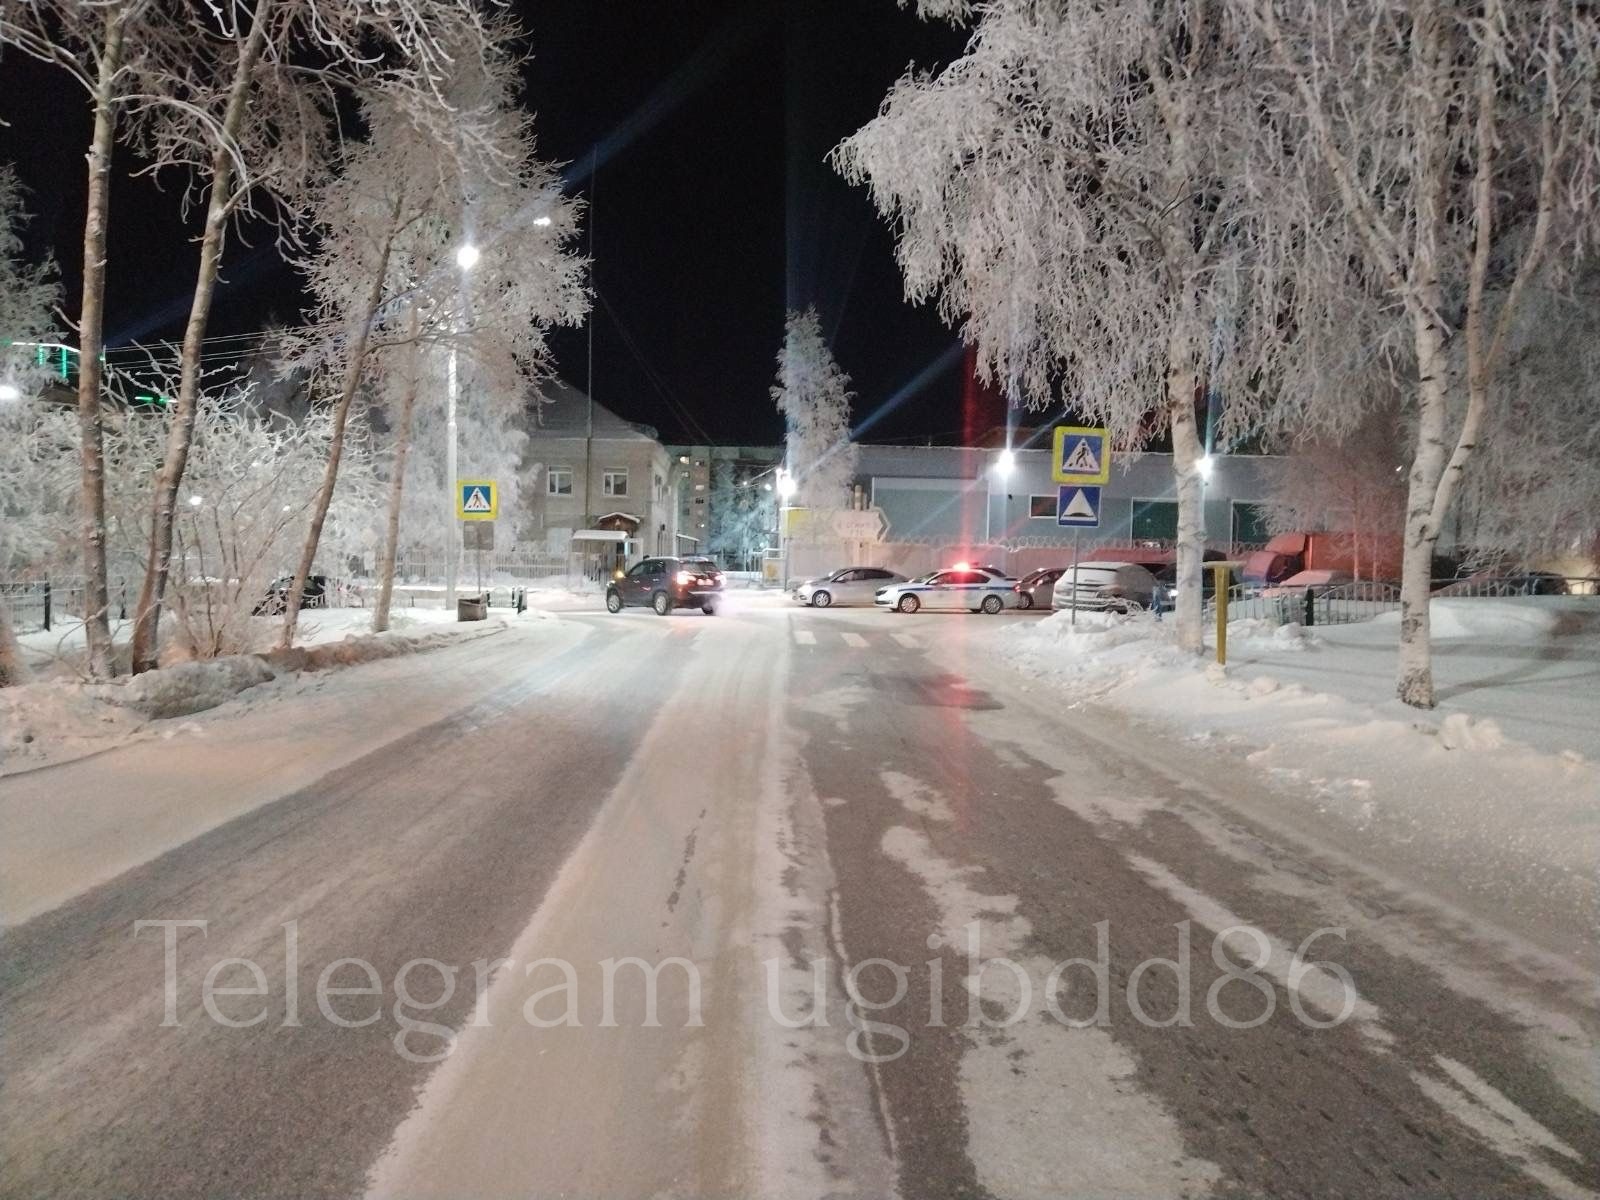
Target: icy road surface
[811,827]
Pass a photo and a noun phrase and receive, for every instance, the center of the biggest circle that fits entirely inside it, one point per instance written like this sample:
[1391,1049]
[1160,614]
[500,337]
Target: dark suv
[668,583]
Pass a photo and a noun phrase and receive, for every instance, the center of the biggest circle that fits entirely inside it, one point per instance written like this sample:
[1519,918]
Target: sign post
[1077,505]
[1080,461]
[478,500]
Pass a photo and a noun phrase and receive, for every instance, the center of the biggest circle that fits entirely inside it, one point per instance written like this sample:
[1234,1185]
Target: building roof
[563,411]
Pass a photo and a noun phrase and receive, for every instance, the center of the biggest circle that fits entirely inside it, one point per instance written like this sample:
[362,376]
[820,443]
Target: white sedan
[974,589]
[847,585]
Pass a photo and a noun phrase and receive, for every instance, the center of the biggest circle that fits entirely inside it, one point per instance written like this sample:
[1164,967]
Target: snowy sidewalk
[59,717]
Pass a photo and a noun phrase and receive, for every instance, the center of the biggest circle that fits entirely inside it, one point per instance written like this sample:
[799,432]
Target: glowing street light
[1005,463]
[1204,464]
[787,487]
[10,392]
[467,256]
[542,222]
[196,501]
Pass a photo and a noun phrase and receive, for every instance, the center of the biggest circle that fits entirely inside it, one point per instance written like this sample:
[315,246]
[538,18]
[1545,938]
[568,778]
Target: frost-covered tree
[33,435]
[1075,192]
[388,280]
[114,51]
[1448,151]
[239,96]
[256,126]
[1352,487]
[744,511]
[242,513]
[813,395]
[1534,498]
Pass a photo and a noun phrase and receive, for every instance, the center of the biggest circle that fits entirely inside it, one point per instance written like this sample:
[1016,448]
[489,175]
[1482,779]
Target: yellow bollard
[1221,579]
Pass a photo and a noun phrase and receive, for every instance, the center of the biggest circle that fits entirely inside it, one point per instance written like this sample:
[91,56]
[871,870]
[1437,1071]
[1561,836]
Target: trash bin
[472,608]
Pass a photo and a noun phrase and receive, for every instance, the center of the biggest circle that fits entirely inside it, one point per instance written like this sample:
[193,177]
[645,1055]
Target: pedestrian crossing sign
[1082,455]
[1078,504]
[477,500]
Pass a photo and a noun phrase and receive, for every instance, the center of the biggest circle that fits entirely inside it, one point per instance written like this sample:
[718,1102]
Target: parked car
[314,595]
[1105,586]
[1037,588]
[664,584]
[1318,582]
[847,585]
[970,588]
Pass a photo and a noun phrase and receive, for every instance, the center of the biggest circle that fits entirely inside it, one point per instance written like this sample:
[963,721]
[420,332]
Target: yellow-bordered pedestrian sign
[477,500]
[1082,454]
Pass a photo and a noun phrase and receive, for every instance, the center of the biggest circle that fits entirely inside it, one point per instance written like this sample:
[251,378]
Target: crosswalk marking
[854,639]
[906,640]
[804,637]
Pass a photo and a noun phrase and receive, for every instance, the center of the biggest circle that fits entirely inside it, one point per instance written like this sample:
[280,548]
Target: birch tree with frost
[387,282]
[814,396]
[1075,193]
[1449,150]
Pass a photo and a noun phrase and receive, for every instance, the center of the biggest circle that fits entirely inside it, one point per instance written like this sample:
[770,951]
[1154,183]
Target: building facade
[600,486]
[959,494]
[726,500]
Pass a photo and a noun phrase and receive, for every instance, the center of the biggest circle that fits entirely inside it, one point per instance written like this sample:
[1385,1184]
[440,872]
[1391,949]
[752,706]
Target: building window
[559,481]
[1250,523]
[1041,508]
[699,499]
[614,483]
[1155,520]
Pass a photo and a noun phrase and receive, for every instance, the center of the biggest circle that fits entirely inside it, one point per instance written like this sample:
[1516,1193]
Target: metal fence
[42,604]
[1347,603]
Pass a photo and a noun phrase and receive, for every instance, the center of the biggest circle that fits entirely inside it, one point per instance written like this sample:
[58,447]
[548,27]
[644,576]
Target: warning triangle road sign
[1078,506]
[476,501]
[1082,460]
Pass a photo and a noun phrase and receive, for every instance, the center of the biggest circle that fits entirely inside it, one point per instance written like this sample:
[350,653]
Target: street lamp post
[1004,464]
[466,259]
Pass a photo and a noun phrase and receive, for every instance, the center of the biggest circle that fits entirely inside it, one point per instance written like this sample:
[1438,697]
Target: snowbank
[55,720]
[1502,780]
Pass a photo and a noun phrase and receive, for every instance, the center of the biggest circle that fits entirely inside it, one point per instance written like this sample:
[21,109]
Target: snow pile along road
[56,720]
[1501,782]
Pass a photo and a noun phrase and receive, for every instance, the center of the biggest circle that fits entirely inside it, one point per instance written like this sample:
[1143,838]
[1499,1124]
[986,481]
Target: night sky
[713,208]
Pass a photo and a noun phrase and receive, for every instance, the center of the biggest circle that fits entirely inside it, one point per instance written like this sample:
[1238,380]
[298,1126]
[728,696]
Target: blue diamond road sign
[1078,504]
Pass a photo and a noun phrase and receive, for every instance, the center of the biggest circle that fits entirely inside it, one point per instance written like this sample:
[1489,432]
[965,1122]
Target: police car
[975,589]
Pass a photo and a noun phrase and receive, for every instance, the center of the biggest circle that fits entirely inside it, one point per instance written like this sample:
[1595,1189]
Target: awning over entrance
[599,535]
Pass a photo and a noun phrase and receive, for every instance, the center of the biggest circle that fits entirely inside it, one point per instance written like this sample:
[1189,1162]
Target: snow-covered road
[808,828]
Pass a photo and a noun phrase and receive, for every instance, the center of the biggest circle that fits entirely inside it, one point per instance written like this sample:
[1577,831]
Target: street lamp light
[1005,463]
[196,501]
[10,392]
[787,487]
[467,256]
